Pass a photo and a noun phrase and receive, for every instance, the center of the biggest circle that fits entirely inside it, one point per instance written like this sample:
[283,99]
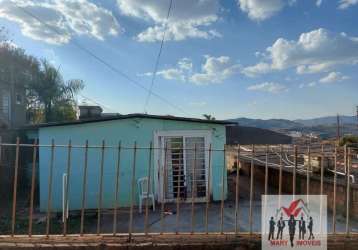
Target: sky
[229,58]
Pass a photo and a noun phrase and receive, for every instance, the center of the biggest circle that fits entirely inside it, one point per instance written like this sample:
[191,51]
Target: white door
[183,170]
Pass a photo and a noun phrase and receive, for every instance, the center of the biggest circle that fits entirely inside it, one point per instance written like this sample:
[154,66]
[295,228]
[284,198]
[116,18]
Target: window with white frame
[5,104]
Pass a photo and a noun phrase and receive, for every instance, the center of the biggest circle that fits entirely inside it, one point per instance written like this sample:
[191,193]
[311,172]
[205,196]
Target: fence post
[0,150]
[237,189]
[132,192]
[49,197]
[84,185]
[294,172]
[208,193]
[179,173]
[280,172]
[308,172]
[116,189]
[348,154]
[15,187]
[193,187]
[223,192]
[65,214]
[252,171]
[163,189]
[148,188]
[32,193]
[100,190]
[334,189]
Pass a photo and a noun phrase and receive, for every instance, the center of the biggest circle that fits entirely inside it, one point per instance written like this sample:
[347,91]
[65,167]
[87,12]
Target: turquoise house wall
[127,131]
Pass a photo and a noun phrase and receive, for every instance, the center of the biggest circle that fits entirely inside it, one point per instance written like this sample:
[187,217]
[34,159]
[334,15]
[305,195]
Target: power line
[158,58]
[102,61]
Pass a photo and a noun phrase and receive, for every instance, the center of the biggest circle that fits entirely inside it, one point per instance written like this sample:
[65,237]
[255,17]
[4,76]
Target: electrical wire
[146,103]
[102,61]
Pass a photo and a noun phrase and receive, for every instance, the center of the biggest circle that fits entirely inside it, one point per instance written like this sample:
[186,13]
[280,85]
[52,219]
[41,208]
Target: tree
[209,117]
[48,97]
[348,139]
[52,97]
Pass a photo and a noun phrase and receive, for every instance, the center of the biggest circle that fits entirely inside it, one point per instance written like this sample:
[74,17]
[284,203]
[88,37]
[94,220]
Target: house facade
[12,105]
[180,155]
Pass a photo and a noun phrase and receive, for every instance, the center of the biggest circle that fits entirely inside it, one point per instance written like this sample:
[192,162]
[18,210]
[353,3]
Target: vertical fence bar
[33,177]
[294,171]
[0,149]
[322,169]
[266,169]
[14,197]
[251,187]
[193,187]
[148,188]
[348,152]
[130,229]
[116,190]
[69,147]
[280,172]
[178,197]
[163,188]
[334,189]
[100,190]
[223,192]
[308,171]
[49,197]
[321,187]
[266,184]
[84,185]
[208,193]
[237,186]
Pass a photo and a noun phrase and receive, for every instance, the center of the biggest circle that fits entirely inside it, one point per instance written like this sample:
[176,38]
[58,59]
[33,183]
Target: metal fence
[293,159]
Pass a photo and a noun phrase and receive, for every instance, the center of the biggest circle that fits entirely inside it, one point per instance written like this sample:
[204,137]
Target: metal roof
[129,116]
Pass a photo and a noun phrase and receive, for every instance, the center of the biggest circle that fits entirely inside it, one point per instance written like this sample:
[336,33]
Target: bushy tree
[48,96]
[348,140]
[52,94]
[209,117]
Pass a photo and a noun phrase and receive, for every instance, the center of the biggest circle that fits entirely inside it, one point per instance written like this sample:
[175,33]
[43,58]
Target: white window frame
[207,134]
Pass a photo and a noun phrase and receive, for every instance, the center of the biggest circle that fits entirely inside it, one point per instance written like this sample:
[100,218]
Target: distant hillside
[268,124]
[327,120]
[325,127]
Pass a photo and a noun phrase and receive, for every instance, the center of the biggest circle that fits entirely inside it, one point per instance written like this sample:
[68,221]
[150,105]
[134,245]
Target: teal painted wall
[127,131]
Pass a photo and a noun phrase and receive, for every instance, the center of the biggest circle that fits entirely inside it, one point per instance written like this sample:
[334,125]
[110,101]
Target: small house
[179,163]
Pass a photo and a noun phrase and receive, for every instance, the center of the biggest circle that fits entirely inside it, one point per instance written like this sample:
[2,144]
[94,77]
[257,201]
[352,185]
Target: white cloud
[215,70]
[68,17]
[260,68]
[180,72]
[310,84]
[319,2]
[270,87]
[172,74]
[259,10]
[333,77]
[344,4]
[188,18]
[316,51]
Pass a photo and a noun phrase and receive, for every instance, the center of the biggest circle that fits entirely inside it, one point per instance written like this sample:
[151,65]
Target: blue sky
[233,58]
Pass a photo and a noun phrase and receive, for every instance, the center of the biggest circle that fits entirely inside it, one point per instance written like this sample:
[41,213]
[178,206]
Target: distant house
[177,134]
[12,105]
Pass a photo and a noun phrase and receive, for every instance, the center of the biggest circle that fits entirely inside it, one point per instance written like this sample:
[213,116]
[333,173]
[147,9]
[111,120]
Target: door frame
[158,163]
